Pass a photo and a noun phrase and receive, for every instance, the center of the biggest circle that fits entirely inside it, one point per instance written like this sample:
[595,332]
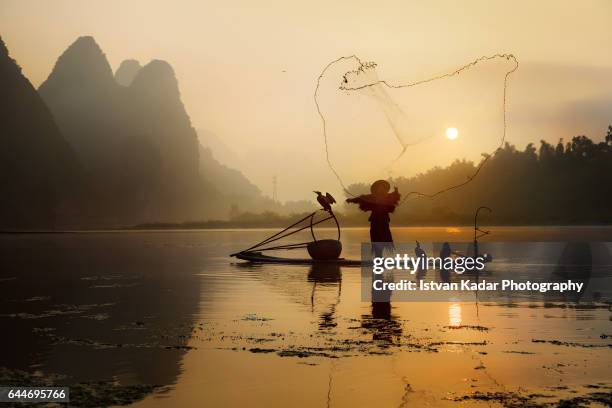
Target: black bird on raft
[326,200]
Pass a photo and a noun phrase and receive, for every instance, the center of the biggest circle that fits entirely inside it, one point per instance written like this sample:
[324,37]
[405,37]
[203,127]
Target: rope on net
[363,66]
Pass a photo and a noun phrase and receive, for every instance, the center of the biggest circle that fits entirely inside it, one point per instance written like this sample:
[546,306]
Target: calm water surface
[172,309]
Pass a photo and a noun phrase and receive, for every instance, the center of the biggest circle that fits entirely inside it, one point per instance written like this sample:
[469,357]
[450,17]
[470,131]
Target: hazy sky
[247,72]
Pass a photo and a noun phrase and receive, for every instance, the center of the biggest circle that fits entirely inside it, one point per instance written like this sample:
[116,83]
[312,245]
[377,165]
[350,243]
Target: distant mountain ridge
[134,138]
[38,169]
[125,74]
[93,148]
[84,98]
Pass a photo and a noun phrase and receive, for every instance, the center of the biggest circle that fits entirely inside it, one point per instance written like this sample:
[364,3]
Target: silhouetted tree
[550,185]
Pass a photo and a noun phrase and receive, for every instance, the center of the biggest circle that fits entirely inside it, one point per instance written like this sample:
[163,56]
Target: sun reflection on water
[454,314]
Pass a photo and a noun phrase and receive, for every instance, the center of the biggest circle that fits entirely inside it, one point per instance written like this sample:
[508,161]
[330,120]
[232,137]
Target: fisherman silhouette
[381,203]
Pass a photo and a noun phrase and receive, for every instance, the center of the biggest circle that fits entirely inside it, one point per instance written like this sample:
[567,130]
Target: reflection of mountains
[99,307]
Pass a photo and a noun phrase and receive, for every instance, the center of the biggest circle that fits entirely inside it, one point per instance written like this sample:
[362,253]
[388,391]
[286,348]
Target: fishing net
[378,123]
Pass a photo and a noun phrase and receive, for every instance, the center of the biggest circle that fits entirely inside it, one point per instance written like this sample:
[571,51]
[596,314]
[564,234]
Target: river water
[169,319]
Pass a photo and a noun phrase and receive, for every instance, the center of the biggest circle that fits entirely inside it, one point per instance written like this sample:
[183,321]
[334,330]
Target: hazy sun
[452,133]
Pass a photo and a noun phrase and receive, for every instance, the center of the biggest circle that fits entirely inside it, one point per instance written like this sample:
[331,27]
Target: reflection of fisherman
[380,202]
[445,253]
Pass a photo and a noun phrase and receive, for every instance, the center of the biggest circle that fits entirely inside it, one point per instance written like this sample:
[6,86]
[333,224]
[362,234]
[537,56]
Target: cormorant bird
[326,200]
